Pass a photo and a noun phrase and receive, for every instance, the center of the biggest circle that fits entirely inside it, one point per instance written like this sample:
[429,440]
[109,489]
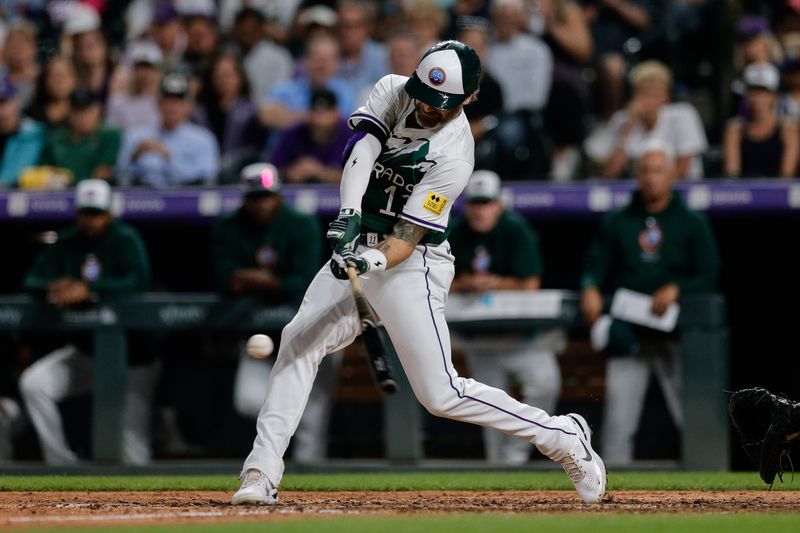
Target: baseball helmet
[447,75]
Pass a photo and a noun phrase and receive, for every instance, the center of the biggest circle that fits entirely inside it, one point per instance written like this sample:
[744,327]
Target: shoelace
[252,478]
[573,470]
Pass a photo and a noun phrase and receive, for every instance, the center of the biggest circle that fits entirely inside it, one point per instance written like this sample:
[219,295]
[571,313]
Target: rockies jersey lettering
[420,172]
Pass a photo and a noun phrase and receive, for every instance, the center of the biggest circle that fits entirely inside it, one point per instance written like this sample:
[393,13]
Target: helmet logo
[437,76]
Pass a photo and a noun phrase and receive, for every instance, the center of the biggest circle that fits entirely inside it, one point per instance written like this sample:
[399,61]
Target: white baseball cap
[93,194]
[81,18]
[484,185]
[145,52]
[762,74]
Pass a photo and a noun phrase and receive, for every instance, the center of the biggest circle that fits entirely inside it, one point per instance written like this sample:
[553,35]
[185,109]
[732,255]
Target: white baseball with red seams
[259,346]
[433,165]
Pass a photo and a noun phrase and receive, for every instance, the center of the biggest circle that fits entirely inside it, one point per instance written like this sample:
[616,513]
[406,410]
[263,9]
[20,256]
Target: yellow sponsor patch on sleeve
[435,203]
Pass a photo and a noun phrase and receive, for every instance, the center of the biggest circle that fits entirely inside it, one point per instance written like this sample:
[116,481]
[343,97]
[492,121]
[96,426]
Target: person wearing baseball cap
[137,106]
[85,147]
[176,152]
[408,160]
[311,151]
[760,143]
[96,258]
[21,139]
[269,251]
[496,249]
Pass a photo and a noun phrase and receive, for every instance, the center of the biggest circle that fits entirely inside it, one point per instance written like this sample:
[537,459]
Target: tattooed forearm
[409,232]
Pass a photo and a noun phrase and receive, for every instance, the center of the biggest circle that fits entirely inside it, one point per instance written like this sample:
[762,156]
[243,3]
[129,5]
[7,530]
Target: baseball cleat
[583,466]
[256,489]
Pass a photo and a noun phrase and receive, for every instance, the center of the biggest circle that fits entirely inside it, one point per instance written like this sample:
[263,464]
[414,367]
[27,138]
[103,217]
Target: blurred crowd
[166,93]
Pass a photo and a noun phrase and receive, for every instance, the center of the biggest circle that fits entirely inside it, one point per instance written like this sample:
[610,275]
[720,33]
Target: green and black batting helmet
[447,75]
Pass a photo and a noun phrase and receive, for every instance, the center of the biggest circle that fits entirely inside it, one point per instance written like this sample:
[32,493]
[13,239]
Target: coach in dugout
[496,250]
[97,257]
[658,247]
[268,250]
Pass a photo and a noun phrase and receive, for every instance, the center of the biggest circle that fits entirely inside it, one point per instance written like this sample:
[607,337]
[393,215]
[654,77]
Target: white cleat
[583,466]
[256,489]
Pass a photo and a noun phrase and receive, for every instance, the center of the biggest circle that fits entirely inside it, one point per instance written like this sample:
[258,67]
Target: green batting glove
[345,231]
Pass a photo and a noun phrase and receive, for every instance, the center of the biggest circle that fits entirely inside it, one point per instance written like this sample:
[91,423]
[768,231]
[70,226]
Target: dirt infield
[43,509]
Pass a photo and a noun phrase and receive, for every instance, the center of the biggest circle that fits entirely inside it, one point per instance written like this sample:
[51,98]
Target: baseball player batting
[409,158]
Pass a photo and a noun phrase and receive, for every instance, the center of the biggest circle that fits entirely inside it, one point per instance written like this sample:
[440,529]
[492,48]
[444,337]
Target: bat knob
[389,386]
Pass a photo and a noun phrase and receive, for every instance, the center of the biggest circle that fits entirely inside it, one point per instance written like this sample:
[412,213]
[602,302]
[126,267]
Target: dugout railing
[702,322]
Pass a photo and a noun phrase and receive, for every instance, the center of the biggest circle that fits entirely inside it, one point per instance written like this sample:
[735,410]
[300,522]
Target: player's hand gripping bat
[376,350]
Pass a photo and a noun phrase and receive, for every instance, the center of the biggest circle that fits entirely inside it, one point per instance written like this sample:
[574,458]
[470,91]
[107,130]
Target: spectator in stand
[138,105]
[317,20]
[789,102]
[168,33]
[566,31]
[90,51]
[403,52]
[267,250]
[279,16]
[56,83]
[523,66]
[312,150]
[655,246]
[95,258]
[650,115]
[466,14]
[496,250]
[426,20]
[288,101]
[21,139]
[761,144]
[265,62]
[84,147]
[227,111]
[202,38]
[483,113]
[364,61]
[177,152]
[19,58]
[616,24]
[754,44]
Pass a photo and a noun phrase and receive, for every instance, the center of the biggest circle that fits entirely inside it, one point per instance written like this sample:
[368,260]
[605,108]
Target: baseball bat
[376,350]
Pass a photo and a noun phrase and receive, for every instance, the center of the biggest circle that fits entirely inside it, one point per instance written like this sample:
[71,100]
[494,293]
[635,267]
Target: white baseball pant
[67,372]
[311,437]
[410,299]
[532,363]
[626,386]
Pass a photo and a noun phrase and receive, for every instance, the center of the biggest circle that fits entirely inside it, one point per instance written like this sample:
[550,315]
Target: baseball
[259,346]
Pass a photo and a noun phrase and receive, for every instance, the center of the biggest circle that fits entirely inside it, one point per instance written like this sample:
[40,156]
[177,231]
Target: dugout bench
[704,348]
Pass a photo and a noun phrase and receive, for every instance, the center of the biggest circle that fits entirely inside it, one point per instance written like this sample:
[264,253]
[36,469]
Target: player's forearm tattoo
[409,232]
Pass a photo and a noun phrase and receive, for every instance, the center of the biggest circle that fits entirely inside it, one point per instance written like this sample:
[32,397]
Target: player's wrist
[375,259]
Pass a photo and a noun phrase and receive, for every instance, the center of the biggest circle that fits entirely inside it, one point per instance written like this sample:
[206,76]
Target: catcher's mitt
[766,424]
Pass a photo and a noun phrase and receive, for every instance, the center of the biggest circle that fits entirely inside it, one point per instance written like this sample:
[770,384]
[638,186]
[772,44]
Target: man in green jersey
[497,250]
[96,258]
[655,246]
[409,158]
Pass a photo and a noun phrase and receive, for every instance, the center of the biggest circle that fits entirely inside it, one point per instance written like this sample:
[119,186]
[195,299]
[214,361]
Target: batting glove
[369,261]
[345,231]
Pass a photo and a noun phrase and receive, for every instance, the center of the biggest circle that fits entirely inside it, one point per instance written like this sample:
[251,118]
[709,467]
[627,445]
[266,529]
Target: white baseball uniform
[417,177]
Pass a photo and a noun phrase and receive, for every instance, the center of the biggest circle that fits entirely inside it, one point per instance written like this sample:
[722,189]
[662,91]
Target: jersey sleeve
[433,197]
[379,114]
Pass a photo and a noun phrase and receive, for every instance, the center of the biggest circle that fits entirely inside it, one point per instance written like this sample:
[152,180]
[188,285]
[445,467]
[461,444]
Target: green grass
[492,523]
[402,481]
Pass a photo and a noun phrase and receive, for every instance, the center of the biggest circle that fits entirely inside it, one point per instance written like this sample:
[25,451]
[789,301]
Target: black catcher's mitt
[767,425]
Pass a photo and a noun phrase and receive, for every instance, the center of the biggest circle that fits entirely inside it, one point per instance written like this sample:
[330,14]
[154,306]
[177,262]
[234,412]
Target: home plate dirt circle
[20,510]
